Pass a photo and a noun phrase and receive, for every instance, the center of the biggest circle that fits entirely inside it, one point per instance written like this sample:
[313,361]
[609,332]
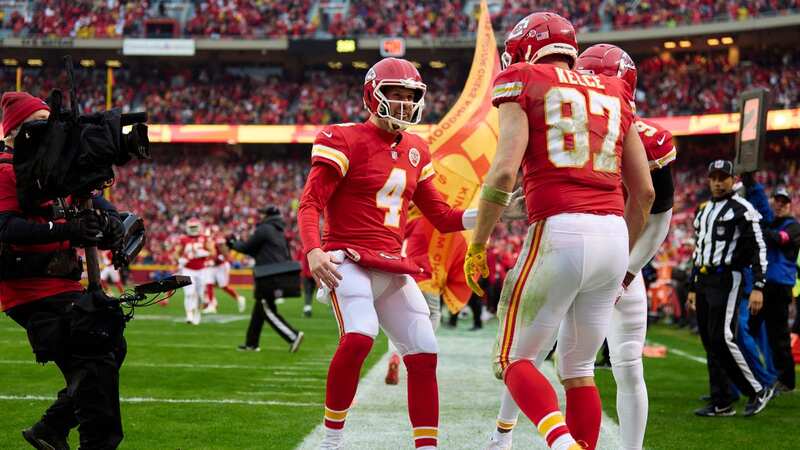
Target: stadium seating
[692,83]
[308,18]
[229,96]
[681,84]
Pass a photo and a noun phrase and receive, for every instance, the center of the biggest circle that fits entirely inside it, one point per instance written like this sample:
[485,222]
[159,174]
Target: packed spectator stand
[679,84]
[325,18]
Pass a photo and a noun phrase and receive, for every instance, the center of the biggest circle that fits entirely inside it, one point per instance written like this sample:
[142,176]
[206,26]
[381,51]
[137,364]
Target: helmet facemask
[412,110]
[193,228]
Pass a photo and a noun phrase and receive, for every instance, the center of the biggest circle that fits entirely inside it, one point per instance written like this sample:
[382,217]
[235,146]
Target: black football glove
[113,234]
[82,231]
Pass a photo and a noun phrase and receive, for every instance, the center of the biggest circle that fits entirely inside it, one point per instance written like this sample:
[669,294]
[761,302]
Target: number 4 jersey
[364,178]
[577,124]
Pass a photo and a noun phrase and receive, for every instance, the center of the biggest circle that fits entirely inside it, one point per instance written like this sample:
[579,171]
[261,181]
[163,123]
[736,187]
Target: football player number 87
[391,197]
[577,126]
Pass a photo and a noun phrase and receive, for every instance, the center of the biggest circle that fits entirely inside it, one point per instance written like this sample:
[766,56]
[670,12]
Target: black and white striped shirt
[728,234]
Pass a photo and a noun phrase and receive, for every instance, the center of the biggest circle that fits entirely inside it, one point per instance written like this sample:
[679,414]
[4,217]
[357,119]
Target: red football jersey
[577,124]
[195,251]
[365,204]
[370,206]
[220,246]
[657,143]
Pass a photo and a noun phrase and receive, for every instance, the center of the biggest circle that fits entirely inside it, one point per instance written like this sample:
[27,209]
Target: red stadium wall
[706,124]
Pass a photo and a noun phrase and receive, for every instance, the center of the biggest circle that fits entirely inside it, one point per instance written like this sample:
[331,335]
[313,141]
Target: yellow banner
[463,146]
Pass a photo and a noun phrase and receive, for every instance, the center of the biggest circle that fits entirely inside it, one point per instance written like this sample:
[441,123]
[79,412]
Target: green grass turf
[270,375]
[674,384]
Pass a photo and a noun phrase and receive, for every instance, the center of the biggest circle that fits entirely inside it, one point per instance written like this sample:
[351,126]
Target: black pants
[717,318]
[264,309]
[309,287]
[90,399]
[476,306]
[775,315]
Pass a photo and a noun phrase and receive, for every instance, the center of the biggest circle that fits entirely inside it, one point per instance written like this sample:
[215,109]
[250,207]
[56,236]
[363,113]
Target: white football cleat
[241,303]
[210,309]
[331,444]
[499,441]
[296,343]
[195,317]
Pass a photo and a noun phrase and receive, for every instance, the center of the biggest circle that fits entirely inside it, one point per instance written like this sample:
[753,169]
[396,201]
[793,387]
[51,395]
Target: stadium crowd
[232,96]
[689,83]
[307,18]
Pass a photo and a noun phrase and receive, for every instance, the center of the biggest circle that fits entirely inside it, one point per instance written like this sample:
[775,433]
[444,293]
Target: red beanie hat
[17,106]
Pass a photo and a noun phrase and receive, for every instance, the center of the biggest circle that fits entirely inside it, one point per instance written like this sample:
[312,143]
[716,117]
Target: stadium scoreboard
[753,107]
[393,47]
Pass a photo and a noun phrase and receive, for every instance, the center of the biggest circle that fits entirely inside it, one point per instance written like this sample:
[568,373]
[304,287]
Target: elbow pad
[470,218]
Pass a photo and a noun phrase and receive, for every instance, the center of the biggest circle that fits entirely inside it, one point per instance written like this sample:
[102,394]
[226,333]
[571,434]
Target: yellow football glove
[476,267]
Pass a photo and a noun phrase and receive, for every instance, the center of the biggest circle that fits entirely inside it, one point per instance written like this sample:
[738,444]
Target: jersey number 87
[577,126]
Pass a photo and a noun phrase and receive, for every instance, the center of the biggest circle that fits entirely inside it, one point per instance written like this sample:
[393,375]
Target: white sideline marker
[468,403]
[222,401]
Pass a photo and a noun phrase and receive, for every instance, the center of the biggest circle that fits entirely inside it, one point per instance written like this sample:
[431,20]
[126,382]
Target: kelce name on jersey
[570,77]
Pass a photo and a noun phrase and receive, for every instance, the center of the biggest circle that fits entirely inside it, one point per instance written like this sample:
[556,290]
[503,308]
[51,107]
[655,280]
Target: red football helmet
[194,227]
[540,34]
[394,72]
[610,60]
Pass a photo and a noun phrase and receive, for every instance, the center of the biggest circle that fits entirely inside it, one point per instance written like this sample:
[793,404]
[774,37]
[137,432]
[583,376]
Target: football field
[186,387]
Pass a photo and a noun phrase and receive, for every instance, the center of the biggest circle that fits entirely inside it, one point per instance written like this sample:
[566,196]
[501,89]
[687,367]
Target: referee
[728,239]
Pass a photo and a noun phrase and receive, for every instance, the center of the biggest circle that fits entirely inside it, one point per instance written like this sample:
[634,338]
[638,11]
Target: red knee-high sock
[537,399]
[343,377]
[229,290]
[210,294]
[423,398]
[584,410]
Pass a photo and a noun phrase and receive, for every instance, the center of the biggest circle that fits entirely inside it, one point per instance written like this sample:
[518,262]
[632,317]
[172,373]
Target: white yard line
[469,399]
[681,353]
[222,401]
[164,365]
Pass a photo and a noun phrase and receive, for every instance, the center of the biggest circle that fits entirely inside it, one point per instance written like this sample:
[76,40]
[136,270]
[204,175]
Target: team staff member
[269,247]
[39,274]
[782,236]
[728,239]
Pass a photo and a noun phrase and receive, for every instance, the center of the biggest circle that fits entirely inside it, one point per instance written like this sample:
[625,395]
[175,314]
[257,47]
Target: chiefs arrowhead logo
[413,156]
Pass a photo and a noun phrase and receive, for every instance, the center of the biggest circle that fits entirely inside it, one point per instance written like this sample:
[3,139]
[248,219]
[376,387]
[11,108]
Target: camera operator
[782,236]
[275,273]
[39,282]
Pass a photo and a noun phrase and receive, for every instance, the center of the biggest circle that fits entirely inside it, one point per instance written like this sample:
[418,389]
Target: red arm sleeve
[322,182]
[445,218]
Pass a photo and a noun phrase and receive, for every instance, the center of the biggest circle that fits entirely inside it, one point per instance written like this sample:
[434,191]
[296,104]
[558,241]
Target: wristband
[493,195]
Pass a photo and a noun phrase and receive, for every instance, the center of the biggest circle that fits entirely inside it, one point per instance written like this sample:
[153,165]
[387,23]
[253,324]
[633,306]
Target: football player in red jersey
[363,177]
[572,134]
[109,273]
[629,319]
[219,275]
[192,253]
